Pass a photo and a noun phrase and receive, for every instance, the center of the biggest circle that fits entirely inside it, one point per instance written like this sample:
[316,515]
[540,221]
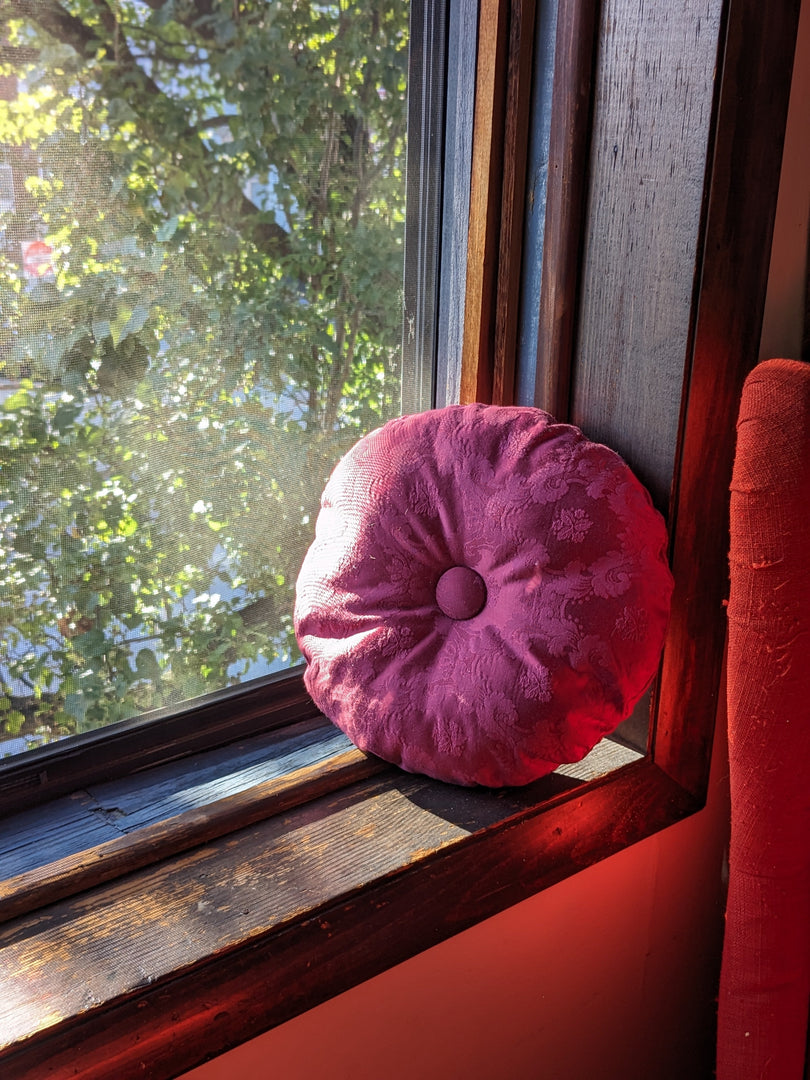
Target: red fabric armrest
[765,980]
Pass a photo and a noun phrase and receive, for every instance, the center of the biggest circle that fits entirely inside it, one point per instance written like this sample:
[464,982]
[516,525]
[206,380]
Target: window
[418,862]
[203,246]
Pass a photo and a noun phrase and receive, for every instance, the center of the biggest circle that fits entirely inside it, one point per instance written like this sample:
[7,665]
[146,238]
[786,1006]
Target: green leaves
[128,320]
[123,365]
[147,666]
[222,189]
[90,644]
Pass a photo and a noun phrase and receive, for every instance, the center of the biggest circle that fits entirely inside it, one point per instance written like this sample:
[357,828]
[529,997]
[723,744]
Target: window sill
[156,971]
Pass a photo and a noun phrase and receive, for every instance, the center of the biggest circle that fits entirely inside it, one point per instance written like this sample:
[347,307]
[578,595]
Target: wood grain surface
[513,190]
[485,202]
[146,845]
[730,297]
[564,231]
[154,973]
[41,775]
[653,98]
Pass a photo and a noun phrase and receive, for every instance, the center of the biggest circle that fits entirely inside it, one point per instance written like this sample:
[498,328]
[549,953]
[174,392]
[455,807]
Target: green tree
[221,183]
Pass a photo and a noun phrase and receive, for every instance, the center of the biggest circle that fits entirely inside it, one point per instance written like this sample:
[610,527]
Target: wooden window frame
[406,887]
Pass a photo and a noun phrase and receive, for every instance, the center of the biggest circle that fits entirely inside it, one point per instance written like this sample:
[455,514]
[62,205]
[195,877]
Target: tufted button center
[461,592]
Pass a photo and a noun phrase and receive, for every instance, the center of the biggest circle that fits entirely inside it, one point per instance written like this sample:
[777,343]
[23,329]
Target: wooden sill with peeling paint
[154,921]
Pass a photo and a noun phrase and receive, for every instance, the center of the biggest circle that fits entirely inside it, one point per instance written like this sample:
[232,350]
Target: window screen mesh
[202,211]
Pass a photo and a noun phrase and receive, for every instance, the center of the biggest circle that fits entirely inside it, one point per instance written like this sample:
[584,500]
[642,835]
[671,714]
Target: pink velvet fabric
[765,980]
[486,595]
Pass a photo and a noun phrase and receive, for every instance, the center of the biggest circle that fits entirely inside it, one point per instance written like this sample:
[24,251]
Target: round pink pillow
[486,595]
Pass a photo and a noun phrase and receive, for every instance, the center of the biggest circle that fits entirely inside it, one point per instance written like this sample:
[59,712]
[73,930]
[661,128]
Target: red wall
[782,327]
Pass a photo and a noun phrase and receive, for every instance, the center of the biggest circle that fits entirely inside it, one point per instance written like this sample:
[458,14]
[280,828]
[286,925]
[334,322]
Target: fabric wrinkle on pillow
[486,596]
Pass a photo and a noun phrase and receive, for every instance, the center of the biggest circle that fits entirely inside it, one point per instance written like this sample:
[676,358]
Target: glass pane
[202,210]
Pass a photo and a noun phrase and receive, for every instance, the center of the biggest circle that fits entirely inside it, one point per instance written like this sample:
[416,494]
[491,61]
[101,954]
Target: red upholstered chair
[765,980]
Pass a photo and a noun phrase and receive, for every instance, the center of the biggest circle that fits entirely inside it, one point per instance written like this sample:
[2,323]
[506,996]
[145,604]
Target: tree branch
[142,93]
[213,122]
[53,19]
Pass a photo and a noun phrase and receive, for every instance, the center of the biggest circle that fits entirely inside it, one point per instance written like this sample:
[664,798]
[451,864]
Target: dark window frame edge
[223,717]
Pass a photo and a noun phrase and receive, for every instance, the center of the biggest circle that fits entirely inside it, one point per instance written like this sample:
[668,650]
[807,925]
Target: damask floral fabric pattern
[572,555]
